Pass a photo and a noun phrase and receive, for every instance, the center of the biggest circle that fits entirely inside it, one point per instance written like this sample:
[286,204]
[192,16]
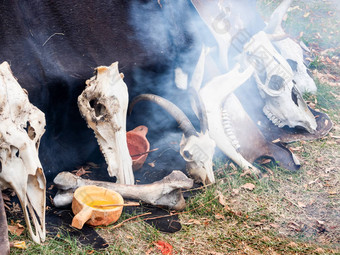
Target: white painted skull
[198,152]
[290,50]
[21,128]
[103,104]
[284,104]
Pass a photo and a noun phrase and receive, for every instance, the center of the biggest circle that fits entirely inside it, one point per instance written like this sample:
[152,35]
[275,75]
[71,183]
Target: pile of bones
[104,103]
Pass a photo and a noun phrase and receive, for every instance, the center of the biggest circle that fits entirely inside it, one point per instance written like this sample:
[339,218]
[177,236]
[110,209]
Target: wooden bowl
[88,206]
[137,143]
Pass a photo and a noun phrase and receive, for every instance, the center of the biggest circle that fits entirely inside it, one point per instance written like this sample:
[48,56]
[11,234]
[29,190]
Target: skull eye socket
[15,151]
[99,109]
[276,83]
[30,131]
[293,64]
[295,96]
[186,155]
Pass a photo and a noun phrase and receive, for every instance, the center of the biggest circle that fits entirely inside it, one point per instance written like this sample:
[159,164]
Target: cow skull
[197,149]
[284,104]
[21,128]
[290,50]
[103,104]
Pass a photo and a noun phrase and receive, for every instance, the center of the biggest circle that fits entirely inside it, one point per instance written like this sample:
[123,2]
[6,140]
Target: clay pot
[87,206]
[137,143]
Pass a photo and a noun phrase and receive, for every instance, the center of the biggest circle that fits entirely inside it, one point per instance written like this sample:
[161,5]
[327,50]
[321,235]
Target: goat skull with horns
[21,128]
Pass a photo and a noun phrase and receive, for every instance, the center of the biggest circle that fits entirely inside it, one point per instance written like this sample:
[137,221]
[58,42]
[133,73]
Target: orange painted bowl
[92,205]
[138,145]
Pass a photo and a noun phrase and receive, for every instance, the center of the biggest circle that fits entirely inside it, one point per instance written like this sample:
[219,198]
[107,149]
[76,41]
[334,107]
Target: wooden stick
[110,205]
[146,152]
[132,218]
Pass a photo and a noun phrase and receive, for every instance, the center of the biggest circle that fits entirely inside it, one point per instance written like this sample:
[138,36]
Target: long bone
[103,104]
[290,50]
[197,149]
[213,95]
[21,128]
[166,192]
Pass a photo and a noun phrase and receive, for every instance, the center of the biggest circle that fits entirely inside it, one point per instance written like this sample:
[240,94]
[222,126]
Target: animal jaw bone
[21,128]
[103,104]
[197,149]
[290,50]
[213,95]
[166,192]
[284,104]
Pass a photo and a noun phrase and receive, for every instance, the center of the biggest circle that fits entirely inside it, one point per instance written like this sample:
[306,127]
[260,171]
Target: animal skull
[103,104]
[284,104]
[290,50]
[198,152]
[21,128]
[197,149]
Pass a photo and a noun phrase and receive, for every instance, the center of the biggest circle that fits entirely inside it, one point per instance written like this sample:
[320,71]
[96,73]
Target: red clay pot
[137,143]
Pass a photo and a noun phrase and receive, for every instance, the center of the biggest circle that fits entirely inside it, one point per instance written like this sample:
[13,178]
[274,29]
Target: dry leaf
[276,140]
[192,221]
[301,205]
[219,216]
[164,247]
[292,244]
[16,229]
[248,186]
[274,225]
[221,199]
[152,164]
[235,192]
[18,244]
[332,192]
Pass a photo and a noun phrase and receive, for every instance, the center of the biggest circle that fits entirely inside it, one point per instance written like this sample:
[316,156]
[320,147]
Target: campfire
[266,67]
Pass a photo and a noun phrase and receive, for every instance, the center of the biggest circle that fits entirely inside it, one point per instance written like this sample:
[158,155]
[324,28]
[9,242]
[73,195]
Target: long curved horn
[274,24]
[182,120]
[202,114]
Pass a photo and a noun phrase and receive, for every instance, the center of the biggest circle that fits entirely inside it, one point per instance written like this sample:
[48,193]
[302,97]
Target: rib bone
[166,192]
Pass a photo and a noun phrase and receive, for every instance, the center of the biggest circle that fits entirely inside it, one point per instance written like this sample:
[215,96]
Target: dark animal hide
[54,46]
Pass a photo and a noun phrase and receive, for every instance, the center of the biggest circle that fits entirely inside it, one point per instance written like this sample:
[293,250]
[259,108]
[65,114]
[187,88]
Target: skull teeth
[274,119]
[229,131]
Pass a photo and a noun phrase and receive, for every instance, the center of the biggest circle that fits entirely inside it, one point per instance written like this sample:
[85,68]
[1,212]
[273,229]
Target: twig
[132,218]
[146,152]
[163,216]
[110,205]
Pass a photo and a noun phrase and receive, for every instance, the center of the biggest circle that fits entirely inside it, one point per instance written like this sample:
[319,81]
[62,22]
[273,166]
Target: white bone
[284,104]
[166,192]
[213,95]
[103,104]
[21,128]
[289,49]
[198,152]
[197,149]
[214,15]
